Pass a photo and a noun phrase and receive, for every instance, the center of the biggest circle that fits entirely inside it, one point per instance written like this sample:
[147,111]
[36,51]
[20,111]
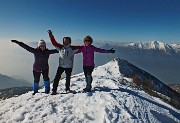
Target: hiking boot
[86,90]
[53,93]
[34,93]
[46,92]
[67,90]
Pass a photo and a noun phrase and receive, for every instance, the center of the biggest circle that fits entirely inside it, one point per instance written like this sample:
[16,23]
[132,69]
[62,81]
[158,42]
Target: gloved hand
[14,41]
[50,32]
[111,51]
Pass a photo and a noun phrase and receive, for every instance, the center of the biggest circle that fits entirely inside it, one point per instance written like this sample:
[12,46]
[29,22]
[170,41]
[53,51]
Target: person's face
[66,41]
[87,42]
[42,47]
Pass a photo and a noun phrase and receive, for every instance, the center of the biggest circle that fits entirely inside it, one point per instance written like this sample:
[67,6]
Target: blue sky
[110,20]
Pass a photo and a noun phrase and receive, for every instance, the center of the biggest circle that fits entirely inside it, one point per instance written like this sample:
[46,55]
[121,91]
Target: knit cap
[41,42]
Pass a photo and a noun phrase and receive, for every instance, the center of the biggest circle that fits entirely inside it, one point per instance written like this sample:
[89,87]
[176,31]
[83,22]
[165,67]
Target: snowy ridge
[150,45]
[130,70]
[176,47]
[110,102]
[153,45]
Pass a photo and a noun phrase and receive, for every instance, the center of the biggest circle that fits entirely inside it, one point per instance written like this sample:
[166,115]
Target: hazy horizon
[17,62]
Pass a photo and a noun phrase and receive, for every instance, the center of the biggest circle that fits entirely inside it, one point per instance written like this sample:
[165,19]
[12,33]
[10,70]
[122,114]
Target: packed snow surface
[109,102]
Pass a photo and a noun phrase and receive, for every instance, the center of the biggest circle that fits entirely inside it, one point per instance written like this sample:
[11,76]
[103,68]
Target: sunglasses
[87,40]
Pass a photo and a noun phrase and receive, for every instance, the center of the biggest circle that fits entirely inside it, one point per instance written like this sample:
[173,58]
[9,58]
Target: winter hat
[88,38]
[41,42]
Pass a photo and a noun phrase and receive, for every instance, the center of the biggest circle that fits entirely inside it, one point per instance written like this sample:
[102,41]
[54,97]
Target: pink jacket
[88,54]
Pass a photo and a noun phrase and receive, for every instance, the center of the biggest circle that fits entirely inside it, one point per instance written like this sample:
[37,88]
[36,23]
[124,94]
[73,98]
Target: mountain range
[8,82]
[158,58]
[154,45]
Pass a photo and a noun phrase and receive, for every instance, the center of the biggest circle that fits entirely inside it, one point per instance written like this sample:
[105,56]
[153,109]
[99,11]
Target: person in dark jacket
[41,55]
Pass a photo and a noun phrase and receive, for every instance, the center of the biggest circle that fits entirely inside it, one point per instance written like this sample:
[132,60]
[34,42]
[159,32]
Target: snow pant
[60,70]
[88,75]
[37,75]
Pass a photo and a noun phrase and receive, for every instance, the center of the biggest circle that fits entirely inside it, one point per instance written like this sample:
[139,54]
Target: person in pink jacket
[88,60]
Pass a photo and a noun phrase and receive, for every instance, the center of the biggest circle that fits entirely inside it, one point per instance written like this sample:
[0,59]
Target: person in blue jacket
[40,66]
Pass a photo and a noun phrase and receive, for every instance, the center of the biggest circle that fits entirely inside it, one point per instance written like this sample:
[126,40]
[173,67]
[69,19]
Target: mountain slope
[113,100]
[14,91]
[159,59]
[175,87]
[8,82]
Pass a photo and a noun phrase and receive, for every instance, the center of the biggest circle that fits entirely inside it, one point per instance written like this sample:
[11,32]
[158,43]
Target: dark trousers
[37,75]
[60,70]
[88,75]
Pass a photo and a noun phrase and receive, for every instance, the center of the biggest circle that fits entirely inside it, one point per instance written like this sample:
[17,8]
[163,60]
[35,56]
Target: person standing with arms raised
[41,56]
[88,60]
[66,59]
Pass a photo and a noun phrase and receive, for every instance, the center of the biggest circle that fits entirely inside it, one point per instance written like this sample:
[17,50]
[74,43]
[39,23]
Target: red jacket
[66,53]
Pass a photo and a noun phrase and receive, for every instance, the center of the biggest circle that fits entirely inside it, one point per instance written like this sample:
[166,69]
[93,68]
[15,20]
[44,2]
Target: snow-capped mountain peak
[150,45]
[157,45]
[153,46]
[110,102]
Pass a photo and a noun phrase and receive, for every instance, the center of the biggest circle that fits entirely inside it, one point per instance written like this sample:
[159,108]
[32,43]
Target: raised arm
[53,41]
[75,47]
[103,50]
[53,51]
[100,50]
[79,50]
[25,46]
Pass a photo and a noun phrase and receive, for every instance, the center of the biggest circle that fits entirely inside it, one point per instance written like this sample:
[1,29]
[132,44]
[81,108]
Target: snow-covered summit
[148,46]
[153,45]
[176,47]
[110,102]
